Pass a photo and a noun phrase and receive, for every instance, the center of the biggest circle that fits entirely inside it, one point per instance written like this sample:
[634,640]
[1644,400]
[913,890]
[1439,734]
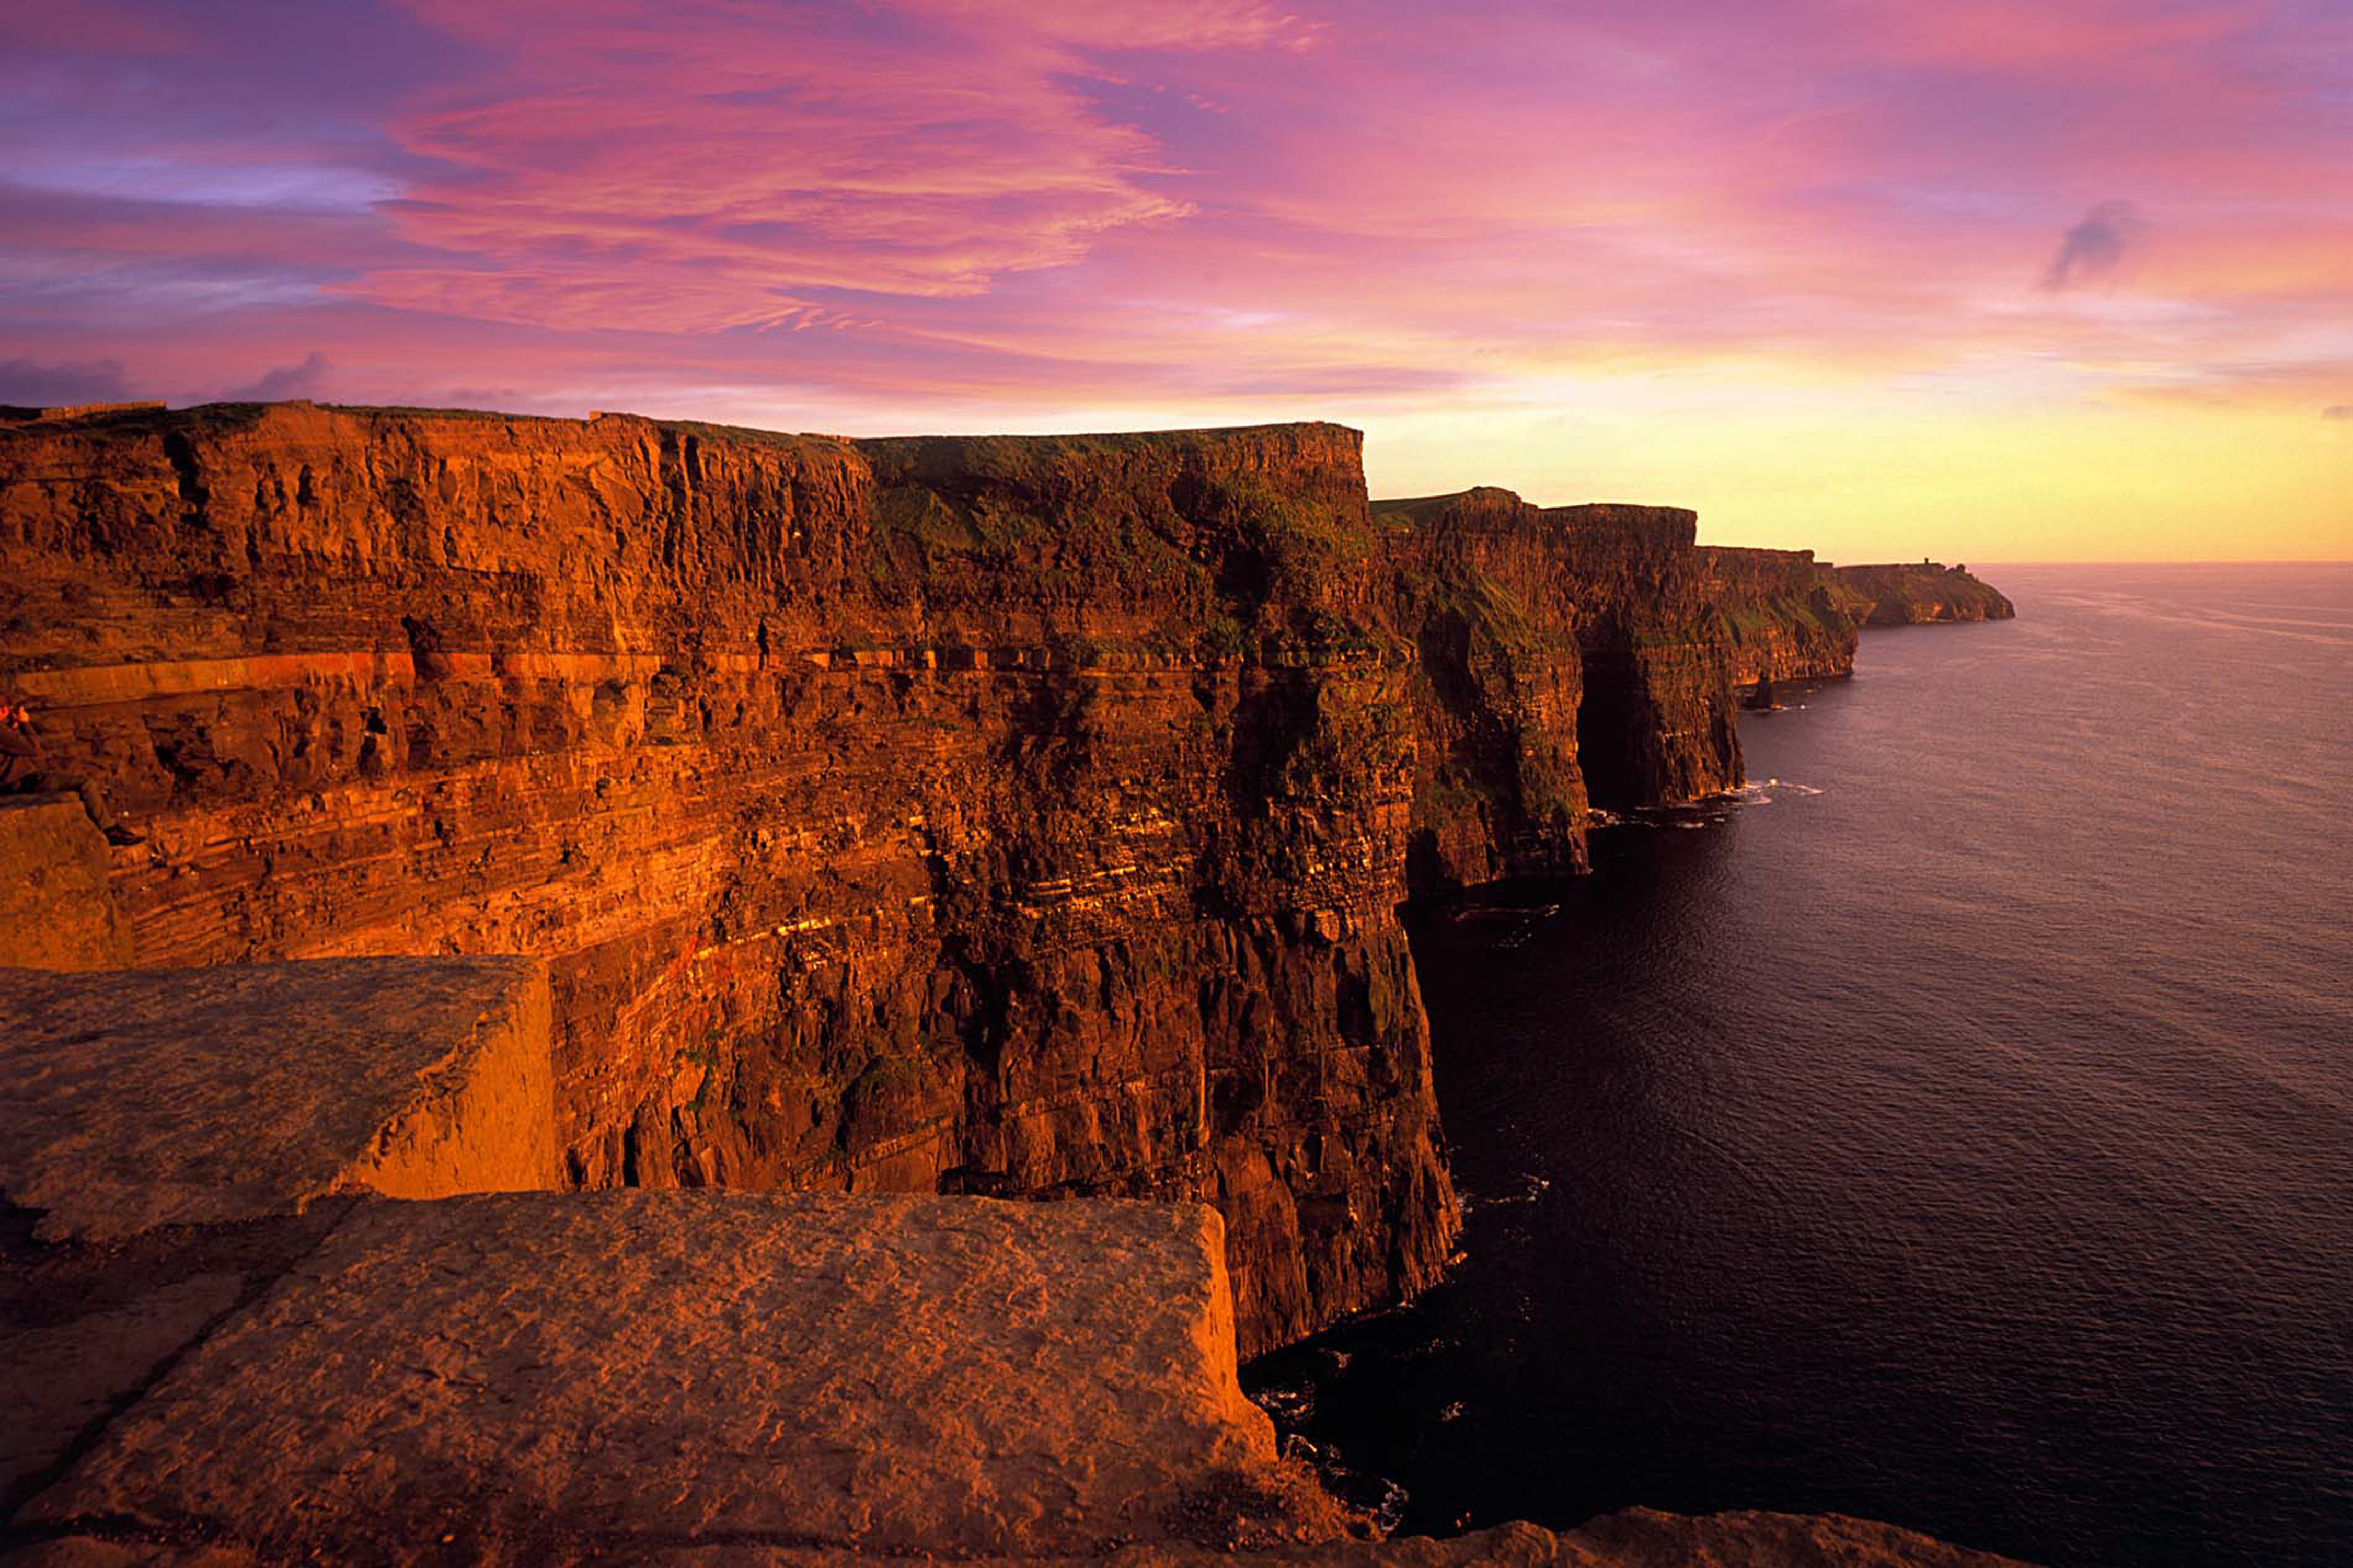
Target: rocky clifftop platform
[134,1098]
[211,1360]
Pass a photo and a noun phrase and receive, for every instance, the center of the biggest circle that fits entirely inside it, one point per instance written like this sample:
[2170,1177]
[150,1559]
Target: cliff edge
[233,1350]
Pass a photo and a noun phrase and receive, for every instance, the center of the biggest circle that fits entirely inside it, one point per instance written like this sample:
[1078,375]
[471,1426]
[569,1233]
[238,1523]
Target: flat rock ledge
[538,1378]
[277,1287]
[717,1378]
[133,1098]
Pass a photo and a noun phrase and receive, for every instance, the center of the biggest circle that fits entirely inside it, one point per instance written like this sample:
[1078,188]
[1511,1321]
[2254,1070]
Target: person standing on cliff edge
[21,773]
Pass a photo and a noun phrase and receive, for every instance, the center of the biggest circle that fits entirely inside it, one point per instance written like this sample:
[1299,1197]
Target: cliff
[1020,817]
[1907,595]
[1017,816]
[1565,658]
[1781,617]
[229,1348]
[503,804]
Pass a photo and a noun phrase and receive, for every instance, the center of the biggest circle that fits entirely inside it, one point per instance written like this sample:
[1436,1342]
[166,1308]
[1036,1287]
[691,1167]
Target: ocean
[1955,1129]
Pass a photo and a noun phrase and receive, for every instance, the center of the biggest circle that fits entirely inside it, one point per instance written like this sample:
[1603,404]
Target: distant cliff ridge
[1782,615]
[1911,596]
[1015,816]
[1564,659]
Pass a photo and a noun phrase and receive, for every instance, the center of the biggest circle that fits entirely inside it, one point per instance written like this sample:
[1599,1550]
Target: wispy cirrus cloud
[715,164]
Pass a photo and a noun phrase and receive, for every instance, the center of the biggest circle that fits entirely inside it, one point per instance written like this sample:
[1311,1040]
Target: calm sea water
[1959,1132]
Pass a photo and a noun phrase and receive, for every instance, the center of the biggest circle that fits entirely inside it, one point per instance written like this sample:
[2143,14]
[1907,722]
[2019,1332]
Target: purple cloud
[306,379]
[27,383]
[2093,247]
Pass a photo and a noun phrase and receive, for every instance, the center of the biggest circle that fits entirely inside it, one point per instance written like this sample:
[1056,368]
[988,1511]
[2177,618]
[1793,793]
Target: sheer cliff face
[1497,684]
[1022,817]
[1781,617]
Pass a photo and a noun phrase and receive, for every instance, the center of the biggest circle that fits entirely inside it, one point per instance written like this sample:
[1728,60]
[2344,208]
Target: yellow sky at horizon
[2149,483]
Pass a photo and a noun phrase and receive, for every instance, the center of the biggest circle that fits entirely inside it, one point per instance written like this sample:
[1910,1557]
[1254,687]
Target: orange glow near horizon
[2064,281]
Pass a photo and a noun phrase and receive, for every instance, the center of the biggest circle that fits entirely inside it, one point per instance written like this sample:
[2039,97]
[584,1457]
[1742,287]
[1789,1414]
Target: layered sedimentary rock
[1904,596]
[1023,818]
[1567,658]
[1782,615]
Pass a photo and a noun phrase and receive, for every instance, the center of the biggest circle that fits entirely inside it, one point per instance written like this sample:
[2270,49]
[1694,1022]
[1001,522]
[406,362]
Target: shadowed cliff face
[1497,684]
[1658,724]
[1567,657]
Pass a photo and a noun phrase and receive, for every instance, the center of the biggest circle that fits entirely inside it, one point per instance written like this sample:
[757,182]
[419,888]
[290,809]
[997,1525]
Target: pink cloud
[1043,204]
[710,165]
[2096,36]
[1188,25]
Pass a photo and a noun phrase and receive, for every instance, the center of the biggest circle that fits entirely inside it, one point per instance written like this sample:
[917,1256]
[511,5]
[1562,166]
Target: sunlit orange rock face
[1019,816]
[53,872]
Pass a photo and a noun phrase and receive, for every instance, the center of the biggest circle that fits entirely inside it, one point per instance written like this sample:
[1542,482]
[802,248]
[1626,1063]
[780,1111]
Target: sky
[1993,279]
